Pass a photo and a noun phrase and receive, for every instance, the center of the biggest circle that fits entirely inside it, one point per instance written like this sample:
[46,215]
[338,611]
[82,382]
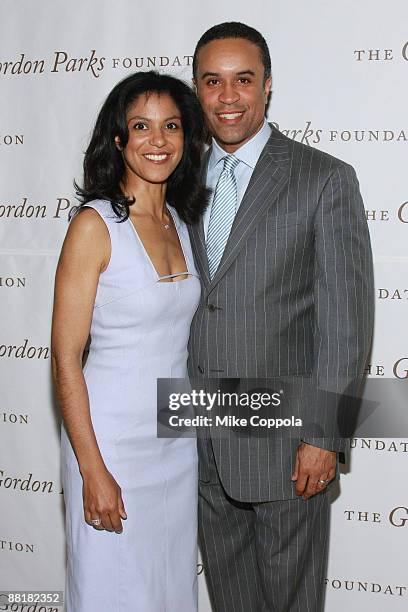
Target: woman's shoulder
[88,220]
[87,237]
[95,212]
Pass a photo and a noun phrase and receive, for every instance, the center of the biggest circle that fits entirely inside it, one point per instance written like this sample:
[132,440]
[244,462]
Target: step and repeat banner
[340,74]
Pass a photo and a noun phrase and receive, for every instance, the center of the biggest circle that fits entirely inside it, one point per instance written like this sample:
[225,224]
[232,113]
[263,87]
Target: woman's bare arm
[85,254]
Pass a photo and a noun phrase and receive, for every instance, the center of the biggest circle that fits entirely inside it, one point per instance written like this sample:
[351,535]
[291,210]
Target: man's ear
[117,143]
[267,88]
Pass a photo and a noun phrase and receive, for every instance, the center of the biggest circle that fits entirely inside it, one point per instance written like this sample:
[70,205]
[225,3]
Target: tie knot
[230,163]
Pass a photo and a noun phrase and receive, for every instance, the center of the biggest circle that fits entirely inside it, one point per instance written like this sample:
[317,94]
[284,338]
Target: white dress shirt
[248,156]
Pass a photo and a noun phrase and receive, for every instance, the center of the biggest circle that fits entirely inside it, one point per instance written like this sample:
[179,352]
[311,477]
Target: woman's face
[155,144]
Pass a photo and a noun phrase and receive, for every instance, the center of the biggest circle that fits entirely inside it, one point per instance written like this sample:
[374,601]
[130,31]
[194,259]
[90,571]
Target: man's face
[231,89]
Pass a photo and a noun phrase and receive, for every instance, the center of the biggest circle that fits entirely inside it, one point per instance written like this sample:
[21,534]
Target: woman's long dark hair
[104,169]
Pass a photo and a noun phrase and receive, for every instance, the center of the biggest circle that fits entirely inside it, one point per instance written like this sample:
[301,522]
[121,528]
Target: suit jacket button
[200,369]
[211,307]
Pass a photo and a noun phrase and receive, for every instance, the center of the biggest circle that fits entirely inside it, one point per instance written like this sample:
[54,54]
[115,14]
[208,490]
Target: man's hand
[314,468]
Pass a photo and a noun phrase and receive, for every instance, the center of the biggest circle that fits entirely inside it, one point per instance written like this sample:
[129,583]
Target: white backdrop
[340,83]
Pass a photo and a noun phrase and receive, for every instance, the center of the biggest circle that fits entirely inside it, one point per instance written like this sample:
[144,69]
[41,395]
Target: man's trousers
[268,556]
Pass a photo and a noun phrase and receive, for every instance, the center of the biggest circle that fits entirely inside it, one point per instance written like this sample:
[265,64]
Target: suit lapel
[269,177]
[198,243]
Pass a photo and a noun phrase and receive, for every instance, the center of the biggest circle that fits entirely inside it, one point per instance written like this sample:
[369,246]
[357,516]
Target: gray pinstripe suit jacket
[293,295]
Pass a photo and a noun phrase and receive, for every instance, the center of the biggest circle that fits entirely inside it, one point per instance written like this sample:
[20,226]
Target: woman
[126,276]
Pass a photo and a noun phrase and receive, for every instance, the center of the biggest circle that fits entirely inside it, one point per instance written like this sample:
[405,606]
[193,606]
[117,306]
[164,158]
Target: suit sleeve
[343,297]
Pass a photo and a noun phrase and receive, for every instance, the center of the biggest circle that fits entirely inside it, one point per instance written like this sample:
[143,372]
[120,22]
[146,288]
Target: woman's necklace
[167,226]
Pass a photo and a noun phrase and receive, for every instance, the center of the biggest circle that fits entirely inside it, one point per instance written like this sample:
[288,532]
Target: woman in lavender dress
[126,276]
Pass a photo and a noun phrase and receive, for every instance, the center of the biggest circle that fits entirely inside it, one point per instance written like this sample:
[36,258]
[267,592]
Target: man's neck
[233,148]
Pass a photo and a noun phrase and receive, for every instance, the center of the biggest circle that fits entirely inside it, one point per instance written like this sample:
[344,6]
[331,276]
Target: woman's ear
[117,143]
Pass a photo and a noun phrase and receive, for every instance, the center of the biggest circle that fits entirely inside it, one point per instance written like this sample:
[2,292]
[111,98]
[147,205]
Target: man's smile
[229,117]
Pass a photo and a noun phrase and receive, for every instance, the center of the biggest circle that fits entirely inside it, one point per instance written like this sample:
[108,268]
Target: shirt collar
[249,152]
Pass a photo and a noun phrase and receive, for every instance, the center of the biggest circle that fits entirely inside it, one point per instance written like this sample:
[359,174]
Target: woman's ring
[97,521]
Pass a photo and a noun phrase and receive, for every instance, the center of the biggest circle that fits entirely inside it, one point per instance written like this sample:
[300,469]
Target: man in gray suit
[284,255]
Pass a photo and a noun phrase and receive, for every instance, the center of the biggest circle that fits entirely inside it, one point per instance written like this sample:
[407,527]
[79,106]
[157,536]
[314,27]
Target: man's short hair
[235,29]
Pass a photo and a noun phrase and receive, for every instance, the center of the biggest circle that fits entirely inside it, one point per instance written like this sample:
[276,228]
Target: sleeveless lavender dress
[139,332]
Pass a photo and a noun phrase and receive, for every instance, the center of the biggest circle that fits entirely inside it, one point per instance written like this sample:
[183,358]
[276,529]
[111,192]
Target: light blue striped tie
[222,213]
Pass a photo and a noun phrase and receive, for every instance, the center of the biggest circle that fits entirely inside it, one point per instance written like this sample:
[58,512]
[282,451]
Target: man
[284,255]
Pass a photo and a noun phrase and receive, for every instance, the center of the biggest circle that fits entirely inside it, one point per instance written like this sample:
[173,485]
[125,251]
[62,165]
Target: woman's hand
[102,497]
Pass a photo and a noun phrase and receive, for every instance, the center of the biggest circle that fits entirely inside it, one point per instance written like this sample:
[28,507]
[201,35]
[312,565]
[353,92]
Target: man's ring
[98,521]
[323,482]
